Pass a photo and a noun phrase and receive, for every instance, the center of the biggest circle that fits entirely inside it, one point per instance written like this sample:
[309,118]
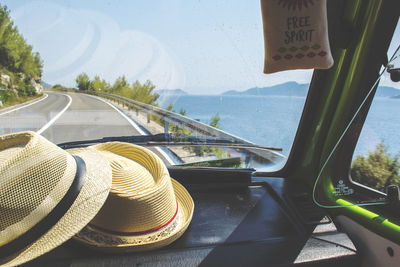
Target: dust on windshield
[93,69]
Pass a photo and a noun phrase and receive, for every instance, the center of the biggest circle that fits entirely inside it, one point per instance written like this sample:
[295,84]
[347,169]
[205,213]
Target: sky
[202,47]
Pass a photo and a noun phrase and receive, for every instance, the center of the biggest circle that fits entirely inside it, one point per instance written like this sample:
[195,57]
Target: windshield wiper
[168,140]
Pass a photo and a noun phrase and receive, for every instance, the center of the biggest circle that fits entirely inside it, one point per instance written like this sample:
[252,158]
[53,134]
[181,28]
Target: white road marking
[137,128]
[35,102]
[170,161]
[48,124]
[134,124]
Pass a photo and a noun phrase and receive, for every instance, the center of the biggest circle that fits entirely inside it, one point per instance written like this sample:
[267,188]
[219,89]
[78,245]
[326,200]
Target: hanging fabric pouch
[295,35]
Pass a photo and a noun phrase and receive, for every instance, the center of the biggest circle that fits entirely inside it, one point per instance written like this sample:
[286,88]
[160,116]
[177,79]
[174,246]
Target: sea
[273,120]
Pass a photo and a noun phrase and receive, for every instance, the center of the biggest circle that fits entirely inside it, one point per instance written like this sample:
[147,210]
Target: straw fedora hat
[146,209]
[47,195]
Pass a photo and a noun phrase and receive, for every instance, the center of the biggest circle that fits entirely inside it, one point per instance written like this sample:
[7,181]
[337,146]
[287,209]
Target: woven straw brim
[119,243]
[92,196]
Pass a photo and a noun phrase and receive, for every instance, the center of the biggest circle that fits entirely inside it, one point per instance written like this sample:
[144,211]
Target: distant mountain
[386,91]
[46,85]
[284,89]
[296,89]
[170,92]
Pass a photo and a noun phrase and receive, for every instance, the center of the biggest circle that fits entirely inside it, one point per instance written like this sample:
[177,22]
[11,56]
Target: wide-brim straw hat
[47,195]
[146,209]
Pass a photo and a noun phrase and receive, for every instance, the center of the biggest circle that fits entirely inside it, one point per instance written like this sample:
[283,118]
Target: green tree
[38,64]
[15,54]
[6,95]
[17,60]
[182,112]
[100,85]
[215,121]
[170,107]
[376,170]
[83,82]
[137,91]
[24,87]
[5,20]
[120,86]
[26,62]
[144,92]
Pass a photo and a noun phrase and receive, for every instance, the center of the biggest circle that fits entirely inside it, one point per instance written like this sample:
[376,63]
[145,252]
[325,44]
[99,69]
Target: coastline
[152,127]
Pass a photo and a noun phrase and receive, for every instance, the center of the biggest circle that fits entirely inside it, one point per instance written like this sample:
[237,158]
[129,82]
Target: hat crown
[35,175]
[129,176]
[142,196]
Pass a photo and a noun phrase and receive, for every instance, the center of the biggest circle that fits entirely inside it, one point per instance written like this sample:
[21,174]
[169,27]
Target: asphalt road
[64,117]
[33,116]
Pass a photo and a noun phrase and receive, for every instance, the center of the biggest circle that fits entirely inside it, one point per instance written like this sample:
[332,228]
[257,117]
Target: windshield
[375,164]
[149,67]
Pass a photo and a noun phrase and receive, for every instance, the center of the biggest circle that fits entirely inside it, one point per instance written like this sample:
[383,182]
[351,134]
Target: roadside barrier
[196,127]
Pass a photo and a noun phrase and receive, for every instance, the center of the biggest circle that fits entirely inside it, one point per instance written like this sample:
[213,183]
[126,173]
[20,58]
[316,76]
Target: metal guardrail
[186,123]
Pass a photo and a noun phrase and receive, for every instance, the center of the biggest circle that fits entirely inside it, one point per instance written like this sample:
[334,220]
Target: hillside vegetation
[377,170]
[20,67]
[136,91]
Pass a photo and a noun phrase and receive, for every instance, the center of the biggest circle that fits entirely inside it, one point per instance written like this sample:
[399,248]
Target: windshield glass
[148,67]
[375,164]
